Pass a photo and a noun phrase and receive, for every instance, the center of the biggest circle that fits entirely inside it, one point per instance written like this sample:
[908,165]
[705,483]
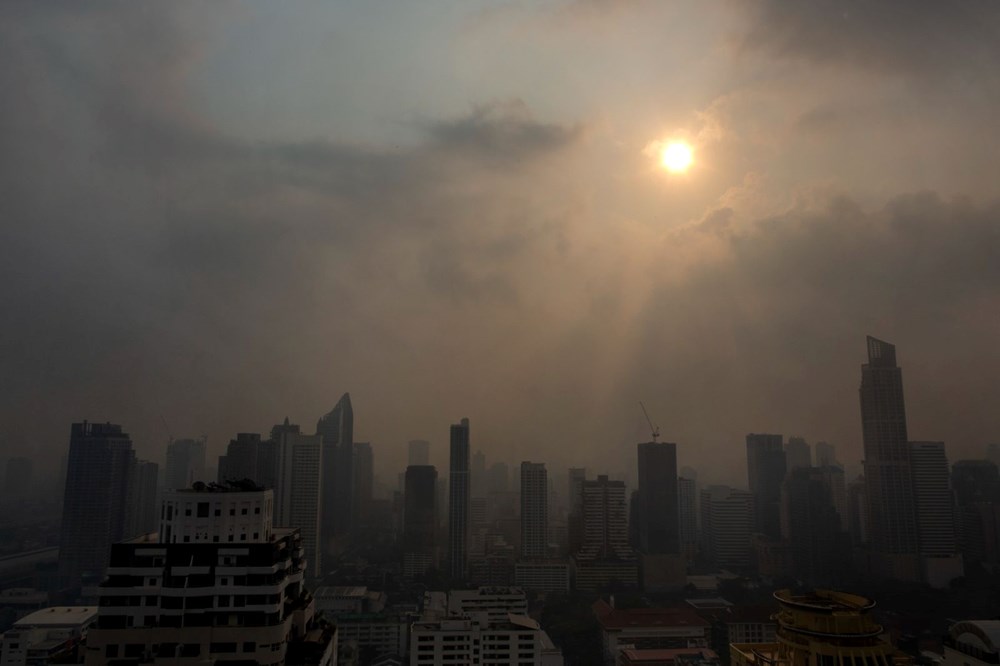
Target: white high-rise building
[220,585]
[534,511]
[726,522]
[935,507]
[299,494]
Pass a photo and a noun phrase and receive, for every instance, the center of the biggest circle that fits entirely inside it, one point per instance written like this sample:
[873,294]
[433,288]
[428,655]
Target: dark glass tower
[337,429]
[658,515]
[458,501]
[765,474]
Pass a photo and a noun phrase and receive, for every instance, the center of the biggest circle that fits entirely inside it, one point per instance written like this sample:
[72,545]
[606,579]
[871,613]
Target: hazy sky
[222,214]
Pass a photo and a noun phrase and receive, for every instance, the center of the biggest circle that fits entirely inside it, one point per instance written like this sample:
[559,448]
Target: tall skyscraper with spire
[337,430]
[892,521]
[458,501]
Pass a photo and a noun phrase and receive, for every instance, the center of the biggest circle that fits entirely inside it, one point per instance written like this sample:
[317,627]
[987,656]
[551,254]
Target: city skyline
[454,225]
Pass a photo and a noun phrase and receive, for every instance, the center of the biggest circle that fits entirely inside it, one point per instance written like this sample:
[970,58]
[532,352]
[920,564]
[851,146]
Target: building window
[250,646]
[243,512]
[203,509]
[111,651]
[256,511]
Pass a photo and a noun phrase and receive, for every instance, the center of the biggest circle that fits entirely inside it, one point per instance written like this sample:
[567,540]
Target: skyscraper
[458,501]
[419,452]
[364,481]
[935,508]
[766,472]
[892,521]
[419,519]
[337,430]
[726,524]
[298,496]
[658,530]
[144,513]
[534,511]
[605,555]
[95,502]
[811,526]
[826,455]
[687,513]
[797,453]
[185,463]
[250,458]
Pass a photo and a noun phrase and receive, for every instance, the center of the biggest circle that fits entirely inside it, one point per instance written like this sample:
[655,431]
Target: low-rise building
[973,643]
[467,641]
[649,628]
[495,602]
[675,657]
[47,635]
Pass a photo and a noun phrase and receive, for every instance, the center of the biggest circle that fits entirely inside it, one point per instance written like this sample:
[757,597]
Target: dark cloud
[920,38]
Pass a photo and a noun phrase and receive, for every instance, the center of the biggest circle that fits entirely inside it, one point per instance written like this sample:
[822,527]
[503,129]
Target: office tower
[458,500]
[934,502]
[249,458]
[419,519]
[220,585]
[185,463]
[534,511]
[766,471]
[574,522]
[144,511]
[337,430]
[857,511]
[892,520]
[826,455]
[823,627]
[797,453]
[419,452]
[298,496]
[727,517]
[833,478]
[658,530]
[975,481]
[95,502]
[977,492]
[811,526]
[605,555]
[364,481]
[477,472]
[687,515]
[18,480]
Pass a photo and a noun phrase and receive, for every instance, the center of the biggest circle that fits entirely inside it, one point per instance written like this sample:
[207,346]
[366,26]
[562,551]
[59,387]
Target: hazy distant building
[935,508]
[364,482]
[249,458]
[892,519]
[605,556]
[811,526]
[458,501]
[185,463]
[826,455]
[766,468]
[336,428]
[418,452]
[298,496]
[144,511]
[857,511]
[726,523]
[419,519]
[534,511]
[797,453]
[658,513]
[95,502]
[687,514]
[477,475]
[498,478]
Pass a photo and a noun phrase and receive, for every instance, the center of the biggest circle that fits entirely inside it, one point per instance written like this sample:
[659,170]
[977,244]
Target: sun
[676,157]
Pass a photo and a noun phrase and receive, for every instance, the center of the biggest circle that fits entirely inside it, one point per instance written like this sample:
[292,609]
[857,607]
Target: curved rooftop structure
[978,638]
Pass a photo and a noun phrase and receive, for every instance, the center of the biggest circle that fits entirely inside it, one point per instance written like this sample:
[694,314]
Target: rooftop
[615,618]
[826,601]
[59,616]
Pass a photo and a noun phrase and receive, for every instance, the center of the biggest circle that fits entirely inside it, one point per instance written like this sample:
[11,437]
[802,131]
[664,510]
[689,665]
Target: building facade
[534,511]
[459,498]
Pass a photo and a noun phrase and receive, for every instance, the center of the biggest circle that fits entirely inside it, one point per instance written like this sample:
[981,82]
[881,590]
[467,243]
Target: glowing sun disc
[676,157]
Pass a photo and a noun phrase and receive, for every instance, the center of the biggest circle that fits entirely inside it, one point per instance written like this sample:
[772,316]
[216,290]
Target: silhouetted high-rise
[419,519]
[95,502]
[337,430]
[811,526]
[726,521]
[250,458]
[298,495]
[534,511]
[144,513]
[687,516]
[934,502]
[892,521]
[766,472]
[658,516]
[797,453]
[458,501]
[185,463]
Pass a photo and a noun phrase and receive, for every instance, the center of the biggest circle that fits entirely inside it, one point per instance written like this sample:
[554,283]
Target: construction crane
[654,430]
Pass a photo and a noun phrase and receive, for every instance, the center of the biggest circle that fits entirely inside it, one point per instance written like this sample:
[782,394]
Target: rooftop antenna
[654,430]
